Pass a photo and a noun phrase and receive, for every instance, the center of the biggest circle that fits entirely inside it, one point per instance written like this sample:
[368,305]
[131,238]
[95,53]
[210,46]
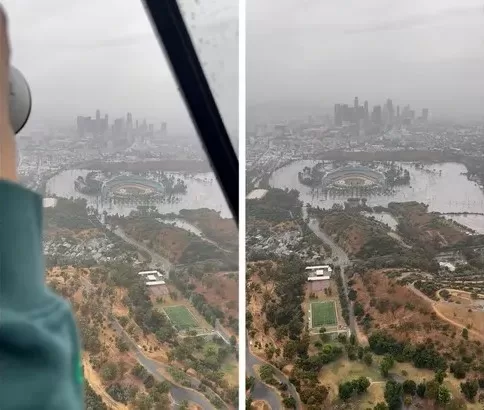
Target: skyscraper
[376,116]
[98,125]
[425,114]
[390,110]
[338,115]
[367,113]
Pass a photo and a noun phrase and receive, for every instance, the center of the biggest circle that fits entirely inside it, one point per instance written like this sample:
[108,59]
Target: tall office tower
[391,113]
[376,115]
[81,126]
[425,114]
[367,113]
[338,115]
[105,126]
[98,125]
[163,129]
[345,112]
[356,110]
[412,114]
[398,112]
[129,120]
[136,124]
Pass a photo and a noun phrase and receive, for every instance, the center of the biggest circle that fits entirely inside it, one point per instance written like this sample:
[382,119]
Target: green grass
[323,314]
[181,317]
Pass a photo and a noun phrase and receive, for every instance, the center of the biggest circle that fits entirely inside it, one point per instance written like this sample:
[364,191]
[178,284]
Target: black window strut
[178,47]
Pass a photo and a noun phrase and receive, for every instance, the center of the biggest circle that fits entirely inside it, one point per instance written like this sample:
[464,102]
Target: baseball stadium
[131,185]
[353,177]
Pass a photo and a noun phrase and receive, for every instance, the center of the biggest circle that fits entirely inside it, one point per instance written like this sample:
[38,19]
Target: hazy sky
[429,53]
[82,55]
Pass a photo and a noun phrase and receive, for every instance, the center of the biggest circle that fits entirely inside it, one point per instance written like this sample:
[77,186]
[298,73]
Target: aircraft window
[137,232]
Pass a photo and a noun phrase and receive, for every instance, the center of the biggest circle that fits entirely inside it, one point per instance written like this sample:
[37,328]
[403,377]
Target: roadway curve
[262,391]
[178,393]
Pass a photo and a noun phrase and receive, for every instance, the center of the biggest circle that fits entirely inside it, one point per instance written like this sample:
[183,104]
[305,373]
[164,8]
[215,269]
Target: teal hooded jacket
[40,356]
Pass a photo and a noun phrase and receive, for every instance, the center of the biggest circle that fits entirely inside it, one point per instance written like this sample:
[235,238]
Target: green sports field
[323,314]
[181,317]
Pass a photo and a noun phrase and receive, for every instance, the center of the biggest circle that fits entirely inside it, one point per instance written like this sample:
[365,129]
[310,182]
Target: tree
[386,364]
[266,373]
[432,390]
[345,390]
[409,387]
[469,389]
[465,333]
[380,406]
[443,395]
[421,390]
[184,405]
[352,294]
[361,384]
[440,375]
[393,395]
[289,402]
[459,369]
[249,382]
[368,358]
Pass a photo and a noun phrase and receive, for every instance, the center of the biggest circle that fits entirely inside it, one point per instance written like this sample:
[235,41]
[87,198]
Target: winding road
[262,391]
[178,393]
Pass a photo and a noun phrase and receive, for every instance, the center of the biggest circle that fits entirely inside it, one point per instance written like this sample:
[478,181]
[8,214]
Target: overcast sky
[82,55]
[429,53]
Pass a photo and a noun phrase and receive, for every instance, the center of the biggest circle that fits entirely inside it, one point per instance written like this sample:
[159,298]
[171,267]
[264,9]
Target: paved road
[342,261]
[263,392]
[157,260]
[260,391]
[178,393]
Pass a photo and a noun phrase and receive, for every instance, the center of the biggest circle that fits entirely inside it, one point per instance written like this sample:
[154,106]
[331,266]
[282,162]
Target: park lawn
[181,317]
[323,314]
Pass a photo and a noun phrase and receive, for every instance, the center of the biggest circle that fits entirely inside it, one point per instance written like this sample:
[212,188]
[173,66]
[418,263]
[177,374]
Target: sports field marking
[181,317]
[323,314]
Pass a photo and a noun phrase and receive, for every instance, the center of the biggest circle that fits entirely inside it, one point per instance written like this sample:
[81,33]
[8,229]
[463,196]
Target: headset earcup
[20,100]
